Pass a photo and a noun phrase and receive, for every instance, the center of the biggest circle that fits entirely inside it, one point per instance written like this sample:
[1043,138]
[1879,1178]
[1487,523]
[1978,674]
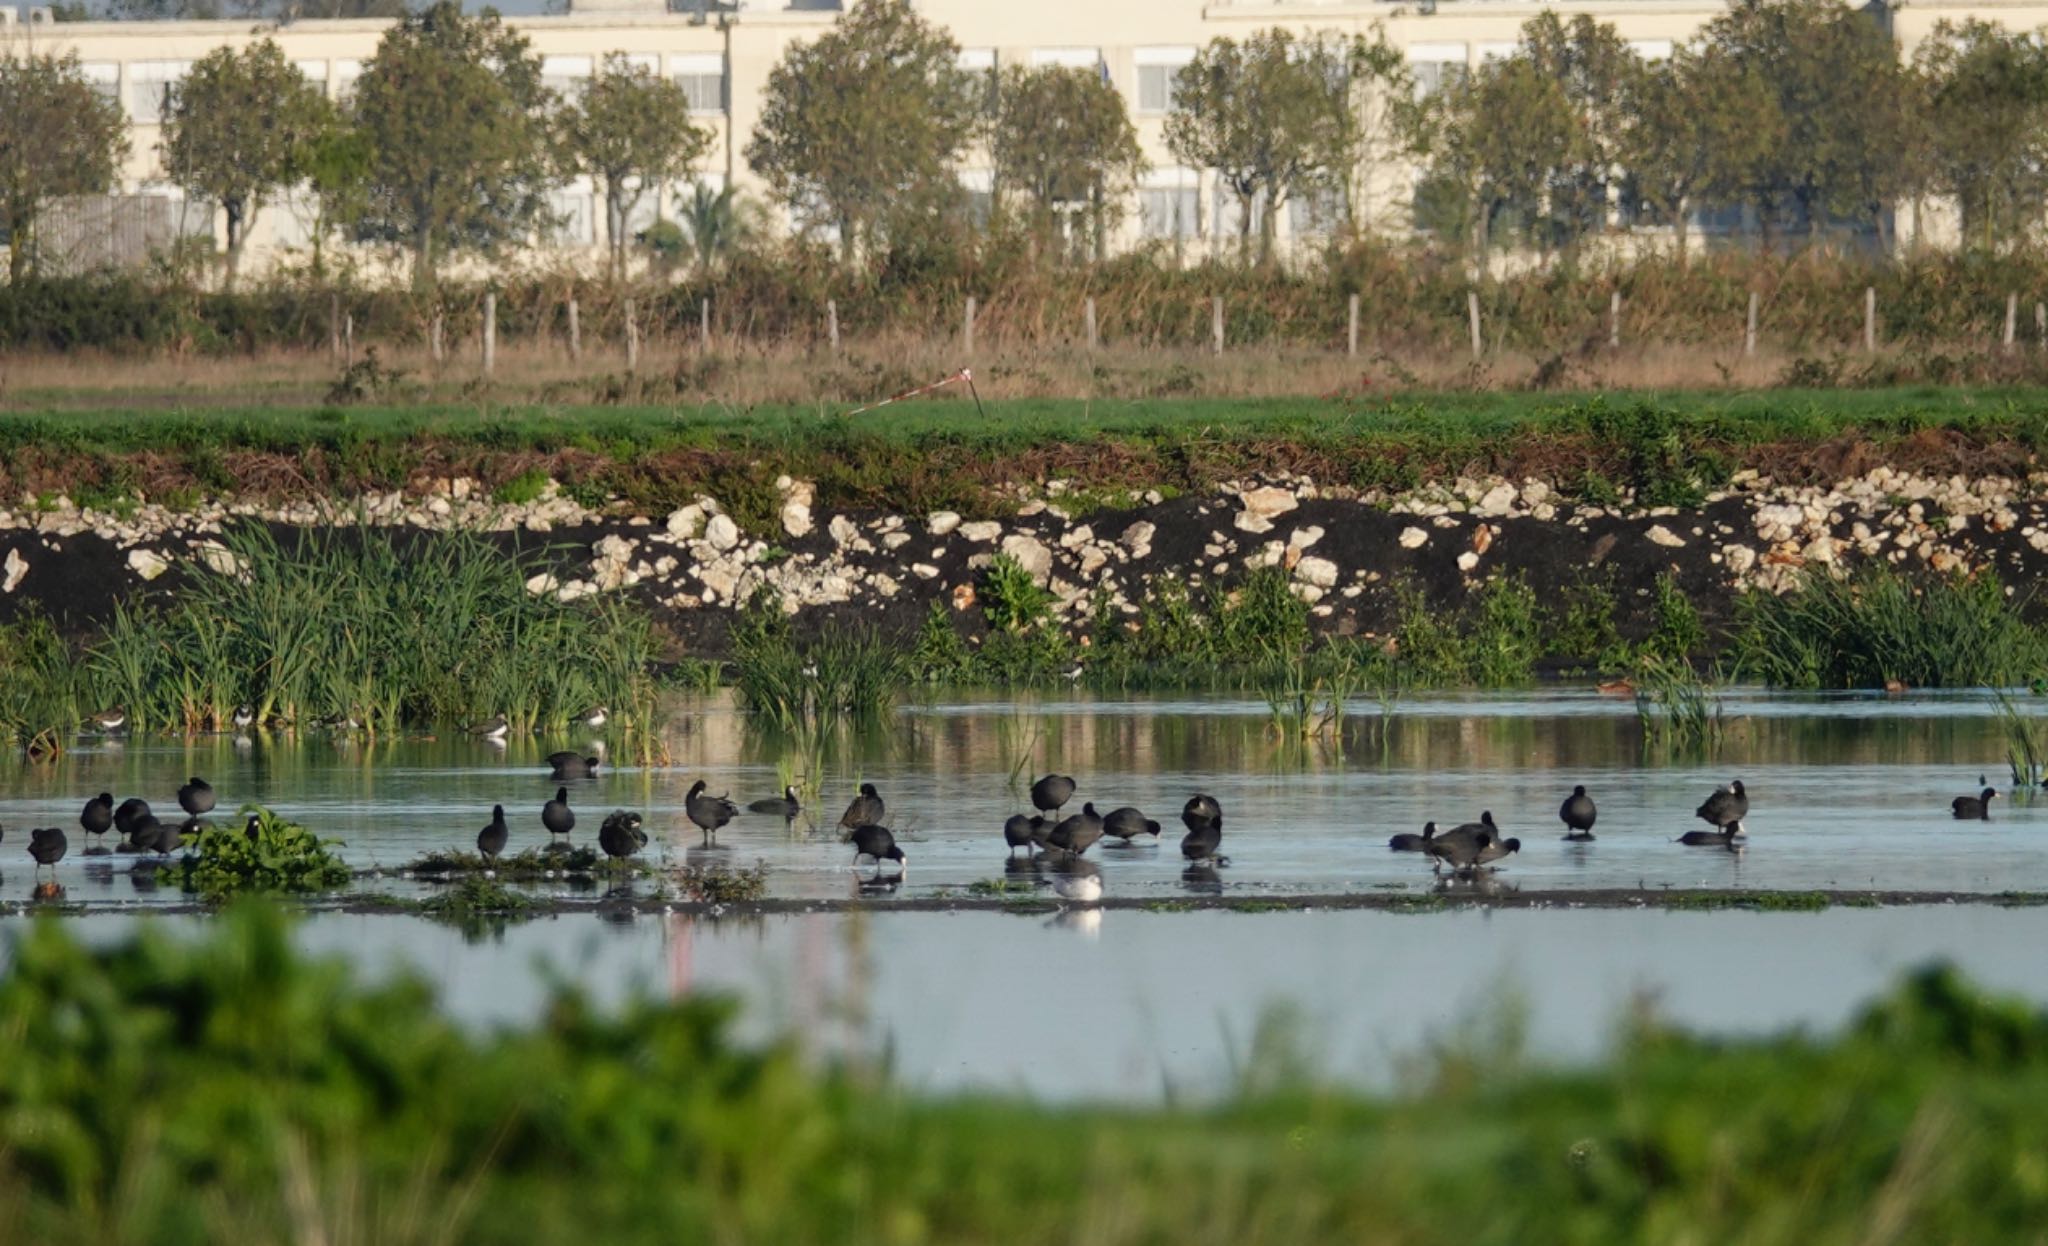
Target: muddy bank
[1350,555]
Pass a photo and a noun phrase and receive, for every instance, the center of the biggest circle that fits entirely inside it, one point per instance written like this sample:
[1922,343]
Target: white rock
[1030,553]
[542,583]
[981,531]
[1303,538]
[1661,535]
[1138,538]
[147,563]
[1320,572]
[1467,560]
[721,579]
[1740,558]
[796,517]
[896,540]
[16,567]
[1498,500]
[1076,537]
[1092,559]
[682,524]
[884,585]
[844,531]
[722,532]
[614,548]
[939,523]
[1413,538]
[218,558]
[924,571]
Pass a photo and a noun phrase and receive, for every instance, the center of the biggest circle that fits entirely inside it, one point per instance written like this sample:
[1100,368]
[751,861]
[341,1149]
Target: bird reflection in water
[1203,879]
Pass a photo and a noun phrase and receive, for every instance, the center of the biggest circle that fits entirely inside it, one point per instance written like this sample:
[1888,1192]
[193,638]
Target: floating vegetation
[531,865]
[276,856]
[1677,709]
[722,884]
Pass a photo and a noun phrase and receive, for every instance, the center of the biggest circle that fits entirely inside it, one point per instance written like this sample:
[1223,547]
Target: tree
[274,10]
[1062,142]
[1691,114]
[870,115]
[239,128]
[58,136]
[715,224]
[1272,117]
[1379,126]
[630,131]
[1849,140]
[1987,115]
[454,113]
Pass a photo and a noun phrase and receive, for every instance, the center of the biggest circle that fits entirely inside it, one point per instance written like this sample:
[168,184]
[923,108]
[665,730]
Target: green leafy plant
[280,856]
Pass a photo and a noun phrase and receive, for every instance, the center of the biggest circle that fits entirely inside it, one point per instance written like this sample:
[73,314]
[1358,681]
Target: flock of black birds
[1045,833]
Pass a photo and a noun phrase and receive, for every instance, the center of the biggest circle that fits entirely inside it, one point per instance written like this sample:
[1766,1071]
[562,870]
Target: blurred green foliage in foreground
[230,1089]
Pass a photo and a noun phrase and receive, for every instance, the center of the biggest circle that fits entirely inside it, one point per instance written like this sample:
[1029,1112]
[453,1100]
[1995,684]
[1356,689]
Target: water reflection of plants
[1678,709]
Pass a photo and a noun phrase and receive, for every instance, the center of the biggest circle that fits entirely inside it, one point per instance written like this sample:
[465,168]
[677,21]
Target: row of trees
[1796,114]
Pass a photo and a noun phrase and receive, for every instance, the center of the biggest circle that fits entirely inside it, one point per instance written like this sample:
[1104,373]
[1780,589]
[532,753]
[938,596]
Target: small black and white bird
[1204,819]
[788,806]
[1128,823]
[1974,808]
[109,720]
[865,810]
[1051,793]
[1409,841]
[196,797]
[1077,834]
[98,815]
[878,844]
[707,811]
[594,717]
[47,846]
[620,835]
[571,765]
[491,840]
[1023,832]
[245,717]
[556,814]
[492,728]
[1578,814]
[1726,808]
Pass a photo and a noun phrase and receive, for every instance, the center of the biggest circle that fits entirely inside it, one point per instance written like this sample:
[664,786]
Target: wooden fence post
[2041,323]
[704,324]
[1614,320]
[967,329]
[632,337]
[2012,318]
[333,327]
[575,334]
[1472,316]
[490,331]
[436,339]
[1749,335]
[348,339]
[1870,320]
[1351,330]
[1088,316]
[1216,324]
[832,323]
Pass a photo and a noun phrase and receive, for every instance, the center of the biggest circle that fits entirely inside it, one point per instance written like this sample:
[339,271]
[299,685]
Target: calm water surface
[1133,1005]
[1846,792]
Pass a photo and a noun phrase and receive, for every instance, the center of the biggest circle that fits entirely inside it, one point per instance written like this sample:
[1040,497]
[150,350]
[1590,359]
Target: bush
[281,856]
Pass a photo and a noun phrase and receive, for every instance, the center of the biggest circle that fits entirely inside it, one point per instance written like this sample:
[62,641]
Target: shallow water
[1846,791]
[1132,1005]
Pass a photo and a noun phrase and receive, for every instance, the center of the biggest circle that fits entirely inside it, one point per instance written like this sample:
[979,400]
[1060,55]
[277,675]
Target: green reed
[2026,745]
[1678,709]
[42,691]
[858,673]
[386,627]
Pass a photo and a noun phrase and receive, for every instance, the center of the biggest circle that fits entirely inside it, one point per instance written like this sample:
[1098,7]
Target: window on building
[572,209]
[565,75]
[1651,49]
[980,185]
[105,77]
[1435,66]
[345,74]
[1316,214]
[649,61]
[1156,70]
[149,87]
[314,72]
[1496,51]
[702,77]
[1227,211]
[981,61]
[1170,212]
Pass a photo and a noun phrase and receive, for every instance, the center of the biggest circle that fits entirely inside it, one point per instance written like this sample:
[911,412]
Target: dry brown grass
[868,369]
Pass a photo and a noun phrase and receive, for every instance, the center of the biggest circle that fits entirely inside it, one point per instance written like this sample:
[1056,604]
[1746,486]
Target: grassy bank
[229,1089]
[952,454]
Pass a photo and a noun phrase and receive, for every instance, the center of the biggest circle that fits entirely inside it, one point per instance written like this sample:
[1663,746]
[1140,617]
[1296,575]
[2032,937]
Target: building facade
[723,59]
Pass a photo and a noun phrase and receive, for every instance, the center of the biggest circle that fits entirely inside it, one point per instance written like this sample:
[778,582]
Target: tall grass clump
[42,690]
[1880,627]
[385,627]
[277,855]
[789,683]
[1677,708]
[2026,744]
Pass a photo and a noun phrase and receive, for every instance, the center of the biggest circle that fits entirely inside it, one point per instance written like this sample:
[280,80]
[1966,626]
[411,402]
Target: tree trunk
[423,259]
[19,239]
[231,262]
[1244,228]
